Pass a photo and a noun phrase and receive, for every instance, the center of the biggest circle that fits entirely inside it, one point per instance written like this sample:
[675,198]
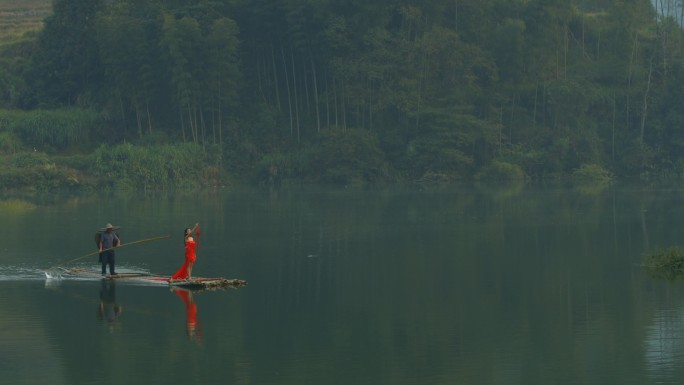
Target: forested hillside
[352,91]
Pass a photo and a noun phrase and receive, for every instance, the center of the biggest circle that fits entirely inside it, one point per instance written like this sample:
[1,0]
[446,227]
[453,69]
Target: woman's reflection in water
[191,321]
[109,312]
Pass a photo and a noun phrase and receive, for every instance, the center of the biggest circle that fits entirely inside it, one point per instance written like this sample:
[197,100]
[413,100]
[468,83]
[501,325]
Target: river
[474,285]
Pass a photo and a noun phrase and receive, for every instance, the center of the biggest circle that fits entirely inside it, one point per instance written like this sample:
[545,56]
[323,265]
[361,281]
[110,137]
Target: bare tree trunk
[456,15]
[613,128]
[510,128]
[315,84]
[260,81]
[306,87]
[370,107]
[182,122]
[361,113]
[123,113]
[192,124]
[289,97]
[296,96]
[565,51]
[327,102]
[344,106]
[220,118]
[632,59]
[202,126]
[336,103]
[275,76]
[645,104]
[138,122]
[149,117]
[534,113]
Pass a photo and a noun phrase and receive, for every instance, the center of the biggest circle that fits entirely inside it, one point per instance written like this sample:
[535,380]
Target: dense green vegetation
[667,263]
[351,92]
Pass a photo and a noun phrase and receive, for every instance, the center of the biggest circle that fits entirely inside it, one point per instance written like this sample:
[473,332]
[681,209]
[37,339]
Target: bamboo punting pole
[111,248]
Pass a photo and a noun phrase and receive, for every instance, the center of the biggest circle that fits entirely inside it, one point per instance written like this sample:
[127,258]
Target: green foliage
[592,173]
[15,206]
[58,129]
[276,168]
[65,66]
[547,85]
[501,171]
[344,157]
[36,171]
[446,144]
[667,263]
[155,167]
[31,159]
[9,143]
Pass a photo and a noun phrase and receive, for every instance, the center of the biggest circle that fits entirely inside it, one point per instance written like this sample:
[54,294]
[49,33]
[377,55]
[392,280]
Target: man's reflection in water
[109,312]
[191,321]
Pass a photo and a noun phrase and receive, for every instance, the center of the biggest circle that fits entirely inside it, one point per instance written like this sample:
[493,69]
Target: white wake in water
[20,273]
[29,273]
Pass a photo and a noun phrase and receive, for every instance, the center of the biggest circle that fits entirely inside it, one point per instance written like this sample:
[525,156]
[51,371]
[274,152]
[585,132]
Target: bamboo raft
[153,279]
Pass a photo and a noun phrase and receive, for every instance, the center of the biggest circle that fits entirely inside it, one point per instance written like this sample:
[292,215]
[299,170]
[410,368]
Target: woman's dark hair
[186,234]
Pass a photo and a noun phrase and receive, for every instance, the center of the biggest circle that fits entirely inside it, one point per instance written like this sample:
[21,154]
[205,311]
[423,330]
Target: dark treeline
[363,91]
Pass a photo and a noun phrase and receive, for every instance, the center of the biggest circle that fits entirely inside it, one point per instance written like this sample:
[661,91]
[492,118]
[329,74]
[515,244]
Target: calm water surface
[534,285]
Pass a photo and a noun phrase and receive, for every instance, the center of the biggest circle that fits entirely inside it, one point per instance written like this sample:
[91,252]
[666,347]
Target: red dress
[191,320]
[190,257]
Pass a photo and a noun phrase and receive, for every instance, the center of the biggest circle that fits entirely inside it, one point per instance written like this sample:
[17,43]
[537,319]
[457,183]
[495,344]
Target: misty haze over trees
[351,91]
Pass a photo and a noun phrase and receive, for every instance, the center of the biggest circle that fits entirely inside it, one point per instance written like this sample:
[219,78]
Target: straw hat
[109,226]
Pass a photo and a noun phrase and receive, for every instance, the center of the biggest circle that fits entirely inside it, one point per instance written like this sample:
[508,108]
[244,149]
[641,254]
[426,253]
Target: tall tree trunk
[335,102]
[138,120]
[289,96]
[327,102]
[275,76]
[149,117]
[630,70]
[260,81]
[123,114]
[344,106]
[202,126]
[192,124]
[644,109]
[182,122]
[612,139]
[220,119]
[296,96]
[370,107]
[534,113]
[315,84]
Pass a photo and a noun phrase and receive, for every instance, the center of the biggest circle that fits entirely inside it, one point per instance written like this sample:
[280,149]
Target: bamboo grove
[357,91]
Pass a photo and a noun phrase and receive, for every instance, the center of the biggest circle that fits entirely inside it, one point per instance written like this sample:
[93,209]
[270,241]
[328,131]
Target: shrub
[9,143]
[275,168]
[345,156]
[501,171]
[592,173]
[165,166]
[16,206]
[30,159]
[58,129]
[668,263]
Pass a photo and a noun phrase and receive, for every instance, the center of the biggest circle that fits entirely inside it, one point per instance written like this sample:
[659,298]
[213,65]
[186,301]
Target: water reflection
[665,346]
[192,325]
[109,311]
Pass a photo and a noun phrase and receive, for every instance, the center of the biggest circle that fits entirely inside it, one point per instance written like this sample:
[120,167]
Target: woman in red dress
[185,271]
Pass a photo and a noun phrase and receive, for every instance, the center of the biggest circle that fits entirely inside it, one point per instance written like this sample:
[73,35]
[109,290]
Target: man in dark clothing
[108,240]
